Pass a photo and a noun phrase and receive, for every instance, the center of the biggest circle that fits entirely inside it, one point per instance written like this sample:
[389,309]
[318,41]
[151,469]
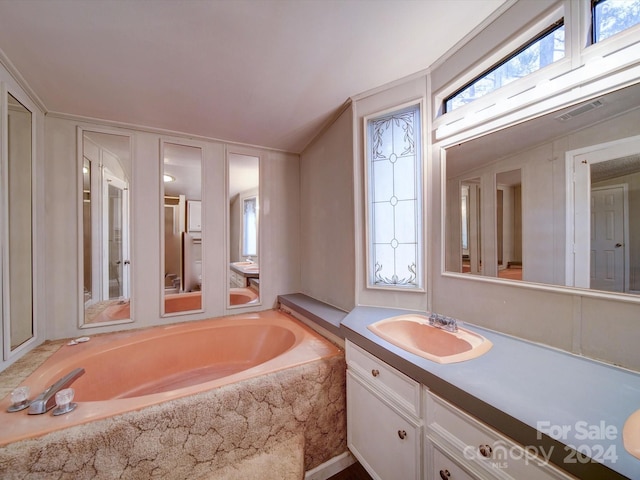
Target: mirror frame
[80,131]
[181,143]
[7,352]
[502,123]
[236,150]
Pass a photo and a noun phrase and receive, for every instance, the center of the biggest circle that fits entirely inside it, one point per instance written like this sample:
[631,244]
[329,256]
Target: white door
[607,239]
[115,240]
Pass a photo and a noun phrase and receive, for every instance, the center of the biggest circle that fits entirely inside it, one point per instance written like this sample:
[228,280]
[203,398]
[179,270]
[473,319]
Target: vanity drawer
[444,468]
[483,450]
[384,378]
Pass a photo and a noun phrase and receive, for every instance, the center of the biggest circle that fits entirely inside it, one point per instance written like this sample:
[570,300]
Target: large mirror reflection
[18,287]
[182,228]
[554,200]
[106,178]
[244,236]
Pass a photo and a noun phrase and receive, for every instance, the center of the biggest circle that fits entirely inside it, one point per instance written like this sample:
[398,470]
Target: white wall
[279,228]
[327,222]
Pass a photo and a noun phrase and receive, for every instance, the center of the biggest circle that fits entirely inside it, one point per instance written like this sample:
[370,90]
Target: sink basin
[414,334]
[631,434]
[243,264]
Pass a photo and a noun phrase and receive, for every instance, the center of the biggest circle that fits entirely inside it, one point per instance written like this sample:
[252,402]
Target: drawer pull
[444,474]
[375,372]
[485,450]
[402,434]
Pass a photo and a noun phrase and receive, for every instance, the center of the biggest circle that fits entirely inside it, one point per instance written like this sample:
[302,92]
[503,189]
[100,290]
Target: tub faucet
[47,399]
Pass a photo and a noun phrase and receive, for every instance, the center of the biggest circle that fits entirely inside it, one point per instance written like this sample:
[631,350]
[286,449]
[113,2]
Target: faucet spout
[47,399]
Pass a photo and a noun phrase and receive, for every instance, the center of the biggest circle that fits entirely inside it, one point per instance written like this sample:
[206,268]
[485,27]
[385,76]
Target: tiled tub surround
[238,429]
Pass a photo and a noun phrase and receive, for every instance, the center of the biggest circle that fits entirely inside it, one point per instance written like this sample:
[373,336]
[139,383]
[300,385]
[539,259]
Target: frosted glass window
[250,227]
[394,170]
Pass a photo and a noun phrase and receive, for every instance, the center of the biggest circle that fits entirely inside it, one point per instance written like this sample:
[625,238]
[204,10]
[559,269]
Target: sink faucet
[441,321]
[47,399]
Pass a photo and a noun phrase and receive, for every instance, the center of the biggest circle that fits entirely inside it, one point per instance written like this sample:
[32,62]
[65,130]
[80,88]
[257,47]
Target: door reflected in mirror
[607,217]
[509,224]
[106,181]
[244,230]
[18,285]
[552,216]
[182,230]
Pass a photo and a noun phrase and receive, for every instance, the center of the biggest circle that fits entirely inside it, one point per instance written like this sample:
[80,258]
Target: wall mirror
[244,230]
[17,227]
[105,173]
[554,200]
[182,229]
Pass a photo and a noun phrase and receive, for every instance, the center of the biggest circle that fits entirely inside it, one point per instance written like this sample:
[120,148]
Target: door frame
[578,224]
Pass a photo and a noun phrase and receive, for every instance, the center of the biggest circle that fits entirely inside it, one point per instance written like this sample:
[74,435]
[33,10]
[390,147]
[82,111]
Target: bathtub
[129,371]
[242,296]
[182,302]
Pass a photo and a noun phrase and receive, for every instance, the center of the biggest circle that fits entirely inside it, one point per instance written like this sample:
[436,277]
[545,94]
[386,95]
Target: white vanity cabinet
[384,428]
[462,448]
[237,280]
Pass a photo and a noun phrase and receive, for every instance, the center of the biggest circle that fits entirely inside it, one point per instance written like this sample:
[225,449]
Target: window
[609,17]
[543,50]
[250,227]
[394,166]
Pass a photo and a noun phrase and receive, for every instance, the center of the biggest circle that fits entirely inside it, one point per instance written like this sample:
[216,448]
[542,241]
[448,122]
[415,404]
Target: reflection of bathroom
[106,170]
[182,185]
[244,208]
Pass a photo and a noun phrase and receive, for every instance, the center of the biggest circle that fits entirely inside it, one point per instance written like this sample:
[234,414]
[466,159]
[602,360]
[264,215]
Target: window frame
[560,23]
[421,194]
[592,25]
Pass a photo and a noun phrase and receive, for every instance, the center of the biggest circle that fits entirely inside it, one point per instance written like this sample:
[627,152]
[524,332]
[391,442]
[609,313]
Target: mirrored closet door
[105,173]
[182,228]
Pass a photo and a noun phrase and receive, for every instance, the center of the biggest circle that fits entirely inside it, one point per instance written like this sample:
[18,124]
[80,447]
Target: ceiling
[261,72]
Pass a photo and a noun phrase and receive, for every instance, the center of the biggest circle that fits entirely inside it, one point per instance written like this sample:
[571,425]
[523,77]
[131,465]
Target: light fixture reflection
[167,178]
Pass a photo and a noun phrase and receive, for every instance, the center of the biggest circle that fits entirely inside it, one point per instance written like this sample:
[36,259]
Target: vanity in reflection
[244,228]
[554,200]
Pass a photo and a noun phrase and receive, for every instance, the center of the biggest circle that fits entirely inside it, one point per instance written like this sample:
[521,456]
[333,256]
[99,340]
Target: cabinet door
[194,214]
[386,443]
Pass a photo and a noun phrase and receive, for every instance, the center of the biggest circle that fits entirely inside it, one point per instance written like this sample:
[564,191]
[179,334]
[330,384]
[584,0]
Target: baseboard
[331,467]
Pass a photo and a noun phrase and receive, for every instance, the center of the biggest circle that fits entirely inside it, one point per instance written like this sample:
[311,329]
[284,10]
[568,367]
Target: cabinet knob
[375,372]
[485,450]
[402,434]
[444,474]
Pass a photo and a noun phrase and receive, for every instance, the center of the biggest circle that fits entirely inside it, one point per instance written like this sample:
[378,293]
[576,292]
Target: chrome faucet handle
[19,399]
[449,324]
[63,401]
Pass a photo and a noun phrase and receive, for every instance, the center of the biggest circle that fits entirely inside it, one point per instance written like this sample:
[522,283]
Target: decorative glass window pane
[613,16]
[543,50]
[394,169]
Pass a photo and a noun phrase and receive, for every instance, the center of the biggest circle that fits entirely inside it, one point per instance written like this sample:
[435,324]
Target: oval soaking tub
[127,371]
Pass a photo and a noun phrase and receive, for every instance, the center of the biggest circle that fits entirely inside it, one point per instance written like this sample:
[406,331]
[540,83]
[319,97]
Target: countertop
[520,388]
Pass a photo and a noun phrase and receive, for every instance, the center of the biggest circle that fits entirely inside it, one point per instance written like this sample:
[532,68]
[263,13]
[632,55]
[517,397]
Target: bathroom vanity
[520,410]
[397,428]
